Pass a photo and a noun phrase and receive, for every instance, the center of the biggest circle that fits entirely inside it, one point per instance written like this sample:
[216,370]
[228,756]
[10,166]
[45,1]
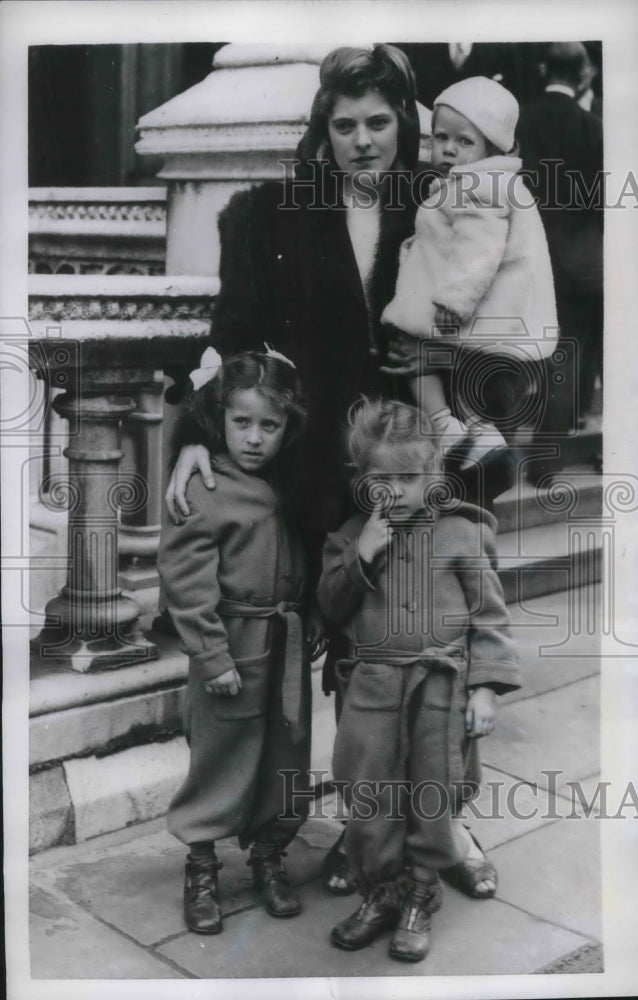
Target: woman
[312,279]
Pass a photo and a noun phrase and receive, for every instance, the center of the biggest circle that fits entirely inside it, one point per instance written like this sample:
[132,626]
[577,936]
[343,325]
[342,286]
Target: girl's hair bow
[280,357]
[210,364]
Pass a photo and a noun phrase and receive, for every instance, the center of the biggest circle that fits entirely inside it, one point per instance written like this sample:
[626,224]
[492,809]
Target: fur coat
[479,250]
[289,278]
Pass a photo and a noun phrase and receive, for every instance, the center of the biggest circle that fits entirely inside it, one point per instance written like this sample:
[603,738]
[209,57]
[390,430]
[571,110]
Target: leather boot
[201,905]
[378,912]
[411,939]
[271,881]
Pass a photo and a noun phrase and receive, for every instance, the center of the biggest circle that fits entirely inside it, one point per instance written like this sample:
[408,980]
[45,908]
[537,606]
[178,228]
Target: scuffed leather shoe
[202,913]
[378,912]
[411,939]
[271,881]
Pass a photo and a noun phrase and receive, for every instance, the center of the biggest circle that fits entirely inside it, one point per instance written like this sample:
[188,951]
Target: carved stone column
[90,623]
[223,134]
[116,332]
[140,528]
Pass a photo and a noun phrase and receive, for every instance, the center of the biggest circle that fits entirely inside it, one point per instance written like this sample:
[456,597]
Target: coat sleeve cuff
[355,568]
[210,665]
[501,677]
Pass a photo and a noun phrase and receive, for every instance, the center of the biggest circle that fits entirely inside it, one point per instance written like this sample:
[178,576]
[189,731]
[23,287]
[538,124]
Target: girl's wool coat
[234,547]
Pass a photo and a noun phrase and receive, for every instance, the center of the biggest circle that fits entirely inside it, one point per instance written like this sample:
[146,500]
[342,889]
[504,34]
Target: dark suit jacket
[555,128]
[515,66]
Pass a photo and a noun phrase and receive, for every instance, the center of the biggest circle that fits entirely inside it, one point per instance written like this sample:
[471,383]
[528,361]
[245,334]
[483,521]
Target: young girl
[477,274]
[233,575]
[416,594]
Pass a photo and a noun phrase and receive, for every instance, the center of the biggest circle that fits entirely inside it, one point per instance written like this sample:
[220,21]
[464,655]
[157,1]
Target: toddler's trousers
[392,751]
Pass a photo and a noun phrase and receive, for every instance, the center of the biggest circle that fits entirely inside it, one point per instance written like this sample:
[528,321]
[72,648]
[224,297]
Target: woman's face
[364,133]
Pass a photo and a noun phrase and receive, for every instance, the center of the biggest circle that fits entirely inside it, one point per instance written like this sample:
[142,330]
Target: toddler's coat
[231,571]
[479,250]
[425,622]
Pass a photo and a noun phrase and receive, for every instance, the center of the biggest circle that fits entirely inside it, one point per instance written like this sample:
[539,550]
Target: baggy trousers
[392,752]
[239,748]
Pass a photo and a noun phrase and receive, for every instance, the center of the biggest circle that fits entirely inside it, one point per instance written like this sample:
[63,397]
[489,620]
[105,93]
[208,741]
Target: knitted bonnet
[491,108]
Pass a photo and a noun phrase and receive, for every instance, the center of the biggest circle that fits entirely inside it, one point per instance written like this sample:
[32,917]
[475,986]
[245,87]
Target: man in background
[562,148]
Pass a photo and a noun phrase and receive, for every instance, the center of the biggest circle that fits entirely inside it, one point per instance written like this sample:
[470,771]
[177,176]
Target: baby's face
[455,141]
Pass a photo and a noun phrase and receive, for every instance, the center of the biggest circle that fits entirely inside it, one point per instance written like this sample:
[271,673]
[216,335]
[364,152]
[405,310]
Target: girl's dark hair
[352,72]
[273,379]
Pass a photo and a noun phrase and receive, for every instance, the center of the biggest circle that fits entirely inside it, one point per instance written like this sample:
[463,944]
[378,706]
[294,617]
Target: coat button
[413,606]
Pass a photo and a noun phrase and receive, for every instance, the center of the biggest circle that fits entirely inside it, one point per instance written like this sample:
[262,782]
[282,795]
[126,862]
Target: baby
[476,276]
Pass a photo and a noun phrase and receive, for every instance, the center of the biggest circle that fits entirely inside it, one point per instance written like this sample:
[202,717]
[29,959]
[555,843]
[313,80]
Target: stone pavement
[111,907]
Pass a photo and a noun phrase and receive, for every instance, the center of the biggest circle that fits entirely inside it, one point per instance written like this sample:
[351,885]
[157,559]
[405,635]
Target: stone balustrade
[97,230]
[109,337]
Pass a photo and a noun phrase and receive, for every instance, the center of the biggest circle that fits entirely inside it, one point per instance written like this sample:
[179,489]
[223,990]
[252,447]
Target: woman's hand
[403,355]
[446,319]
[480,713]
[192,458]
[315,633]
[228,683]
[375,536]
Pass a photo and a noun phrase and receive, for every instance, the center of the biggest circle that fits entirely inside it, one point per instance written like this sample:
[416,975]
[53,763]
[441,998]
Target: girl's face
[403,490]
[254,429]
[455,141]
[364,133]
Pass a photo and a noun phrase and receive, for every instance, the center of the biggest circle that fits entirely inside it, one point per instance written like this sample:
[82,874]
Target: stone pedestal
[90,624]
[140,528]
[116,333]
[225,133]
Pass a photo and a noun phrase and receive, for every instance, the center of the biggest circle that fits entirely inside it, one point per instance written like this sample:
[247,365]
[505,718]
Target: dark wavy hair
[273,379]
[352,72]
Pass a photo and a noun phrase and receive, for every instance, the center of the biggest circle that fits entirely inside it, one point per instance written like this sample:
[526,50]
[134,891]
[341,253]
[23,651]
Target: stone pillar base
[87,655]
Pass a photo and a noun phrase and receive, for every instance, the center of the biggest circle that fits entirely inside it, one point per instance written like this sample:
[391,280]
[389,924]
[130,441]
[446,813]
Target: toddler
[416,595]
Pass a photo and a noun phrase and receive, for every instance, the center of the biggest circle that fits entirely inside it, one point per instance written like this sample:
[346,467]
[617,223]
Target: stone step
[581,447]
[584,446]
[549,558]
[576,492]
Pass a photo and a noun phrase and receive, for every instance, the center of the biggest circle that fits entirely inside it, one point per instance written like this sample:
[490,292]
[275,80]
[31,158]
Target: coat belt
[292,684]
[442,662]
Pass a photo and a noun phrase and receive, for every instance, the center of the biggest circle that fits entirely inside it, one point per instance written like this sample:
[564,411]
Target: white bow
[210,364]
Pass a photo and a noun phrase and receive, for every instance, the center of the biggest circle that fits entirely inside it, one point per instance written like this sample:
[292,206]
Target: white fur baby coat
[479,250]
